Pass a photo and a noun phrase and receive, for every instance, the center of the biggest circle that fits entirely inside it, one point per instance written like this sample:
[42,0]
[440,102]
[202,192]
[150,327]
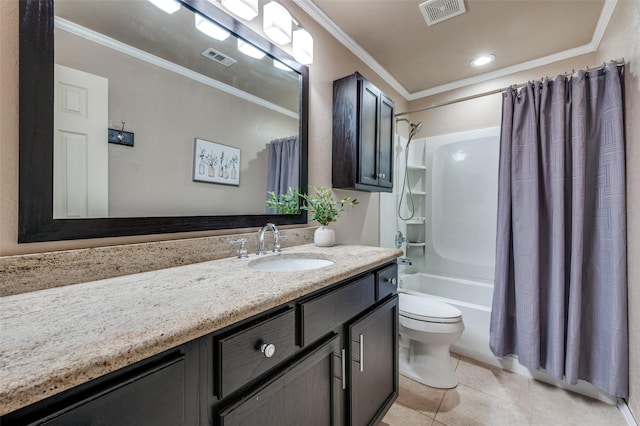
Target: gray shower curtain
[560,295]
[284,166]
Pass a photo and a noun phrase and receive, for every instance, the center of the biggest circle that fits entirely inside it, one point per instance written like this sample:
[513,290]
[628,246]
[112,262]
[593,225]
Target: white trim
[626,412]
[320,17]
[314,12]
[126,49]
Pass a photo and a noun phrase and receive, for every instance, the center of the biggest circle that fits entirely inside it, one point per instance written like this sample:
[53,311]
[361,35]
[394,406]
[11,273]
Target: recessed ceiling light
[483,60]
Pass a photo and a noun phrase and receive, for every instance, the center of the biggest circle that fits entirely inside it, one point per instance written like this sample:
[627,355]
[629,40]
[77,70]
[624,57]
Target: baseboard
[626,412]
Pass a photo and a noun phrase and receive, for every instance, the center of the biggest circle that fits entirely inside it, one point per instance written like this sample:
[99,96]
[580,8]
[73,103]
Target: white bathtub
[472,298]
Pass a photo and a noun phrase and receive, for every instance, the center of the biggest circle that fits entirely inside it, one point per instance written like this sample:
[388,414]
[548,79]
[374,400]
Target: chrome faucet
[276,236]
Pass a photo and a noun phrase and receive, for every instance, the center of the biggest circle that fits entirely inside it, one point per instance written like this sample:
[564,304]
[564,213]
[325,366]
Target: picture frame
[215,163]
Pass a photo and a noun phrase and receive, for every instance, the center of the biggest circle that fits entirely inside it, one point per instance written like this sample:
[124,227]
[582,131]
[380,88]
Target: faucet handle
[242,251]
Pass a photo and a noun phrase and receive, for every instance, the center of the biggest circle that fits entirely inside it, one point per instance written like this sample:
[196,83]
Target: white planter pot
[324,237]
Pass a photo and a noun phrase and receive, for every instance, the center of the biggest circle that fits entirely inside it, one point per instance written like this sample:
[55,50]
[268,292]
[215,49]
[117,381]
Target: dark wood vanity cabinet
[373,375]
[362,135]
[308,391]
[159,391]
[328,358]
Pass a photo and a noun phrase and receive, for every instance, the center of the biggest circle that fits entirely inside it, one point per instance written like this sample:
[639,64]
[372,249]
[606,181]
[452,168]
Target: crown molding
[321,18]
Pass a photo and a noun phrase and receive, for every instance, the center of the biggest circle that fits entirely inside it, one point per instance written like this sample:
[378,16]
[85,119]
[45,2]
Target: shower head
[414,128]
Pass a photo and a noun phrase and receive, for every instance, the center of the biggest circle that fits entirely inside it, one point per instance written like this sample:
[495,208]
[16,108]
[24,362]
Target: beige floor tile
[399,415]
[494,381]
[419,397]
[469,407]
[455,360]
[551,405]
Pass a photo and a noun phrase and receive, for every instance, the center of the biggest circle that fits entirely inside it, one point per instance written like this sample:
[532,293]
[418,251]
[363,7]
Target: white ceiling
[392,37]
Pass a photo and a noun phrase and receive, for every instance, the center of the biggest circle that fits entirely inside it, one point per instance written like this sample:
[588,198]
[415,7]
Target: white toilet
[427,328]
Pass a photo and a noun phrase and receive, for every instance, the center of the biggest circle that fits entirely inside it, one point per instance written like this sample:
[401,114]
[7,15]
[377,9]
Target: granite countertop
[52,340]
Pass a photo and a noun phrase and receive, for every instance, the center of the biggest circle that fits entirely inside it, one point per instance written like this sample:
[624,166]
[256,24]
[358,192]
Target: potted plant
[284,203]
[325,209]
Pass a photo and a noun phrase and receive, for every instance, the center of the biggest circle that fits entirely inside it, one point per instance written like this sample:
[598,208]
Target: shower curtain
[284,166]
[560,295]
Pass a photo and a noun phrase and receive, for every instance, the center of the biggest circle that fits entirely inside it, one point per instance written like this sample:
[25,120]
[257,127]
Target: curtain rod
[619,62]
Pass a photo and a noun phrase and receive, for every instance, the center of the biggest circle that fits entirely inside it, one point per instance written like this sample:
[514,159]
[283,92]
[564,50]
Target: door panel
[369,116]
[81,155]
[385,179]
[374,363]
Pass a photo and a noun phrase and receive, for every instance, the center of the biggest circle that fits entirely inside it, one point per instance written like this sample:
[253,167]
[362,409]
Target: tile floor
[487,395]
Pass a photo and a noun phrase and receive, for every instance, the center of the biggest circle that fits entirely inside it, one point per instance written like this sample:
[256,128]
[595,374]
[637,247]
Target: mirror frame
[35,211]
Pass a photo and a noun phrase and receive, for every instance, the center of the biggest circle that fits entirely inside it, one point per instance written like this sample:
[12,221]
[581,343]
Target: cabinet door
[308,392]
[385,142]
[369,126]
[373,384]
[155,397]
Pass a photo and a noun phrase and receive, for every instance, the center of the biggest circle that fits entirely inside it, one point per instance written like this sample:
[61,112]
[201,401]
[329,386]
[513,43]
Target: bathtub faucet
[404,261]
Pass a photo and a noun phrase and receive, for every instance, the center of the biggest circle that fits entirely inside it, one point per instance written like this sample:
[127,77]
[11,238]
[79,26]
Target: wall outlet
[120,137]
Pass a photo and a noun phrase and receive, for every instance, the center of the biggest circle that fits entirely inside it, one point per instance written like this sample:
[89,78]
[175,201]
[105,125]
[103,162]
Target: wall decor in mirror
[173,78]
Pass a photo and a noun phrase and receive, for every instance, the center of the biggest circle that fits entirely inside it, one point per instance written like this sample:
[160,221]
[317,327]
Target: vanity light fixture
[211,29]
[276,23]
[168,6]
[246,9]
[250,50]
[302,48]
[483,60]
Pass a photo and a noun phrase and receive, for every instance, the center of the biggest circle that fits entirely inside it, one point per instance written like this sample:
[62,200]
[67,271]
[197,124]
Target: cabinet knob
[381,175]
[392,281]
[268,349]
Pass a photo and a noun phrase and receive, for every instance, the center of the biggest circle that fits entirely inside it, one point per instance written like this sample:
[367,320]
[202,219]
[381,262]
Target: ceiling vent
[435,11]
[220,58]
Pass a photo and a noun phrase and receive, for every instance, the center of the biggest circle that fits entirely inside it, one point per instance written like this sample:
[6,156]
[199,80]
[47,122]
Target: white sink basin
[289,263]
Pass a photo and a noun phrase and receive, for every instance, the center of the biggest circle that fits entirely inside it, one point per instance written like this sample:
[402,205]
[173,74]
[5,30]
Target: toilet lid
[424,308]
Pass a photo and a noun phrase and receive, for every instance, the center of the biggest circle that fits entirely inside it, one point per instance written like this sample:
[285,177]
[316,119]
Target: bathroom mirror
[202,129]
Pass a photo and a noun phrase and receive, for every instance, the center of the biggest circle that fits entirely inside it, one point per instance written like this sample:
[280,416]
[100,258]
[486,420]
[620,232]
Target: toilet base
[428,365]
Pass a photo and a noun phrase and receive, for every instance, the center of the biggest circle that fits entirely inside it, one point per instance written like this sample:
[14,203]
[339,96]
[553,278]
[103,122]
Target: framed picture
[216,163]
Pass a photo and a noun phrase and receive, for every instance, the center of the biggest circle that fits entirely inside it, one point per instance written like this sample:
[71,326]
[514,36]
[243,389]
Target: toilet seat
[426,309]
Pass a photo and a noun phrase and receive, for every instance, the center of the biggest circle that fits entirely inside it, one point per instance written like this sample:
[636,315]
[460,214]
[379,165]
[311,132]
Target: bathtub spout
[404,261]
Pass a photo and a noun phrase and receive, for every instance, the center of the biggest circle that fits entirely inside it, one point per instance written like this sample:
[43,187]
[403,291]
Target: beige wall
[620,40]
[331,61]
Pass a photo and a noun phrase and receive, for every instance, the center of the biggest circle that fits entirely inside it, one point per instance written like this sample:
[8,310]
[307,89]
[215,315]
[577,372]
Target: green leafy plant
[323,207]
[284,203]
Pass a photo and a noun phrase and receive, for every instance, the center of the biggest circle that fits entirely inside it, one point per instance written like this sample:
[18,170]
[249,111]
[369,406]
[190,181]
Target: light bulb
[211,29]
[246,9]
[302,46]
[276,23]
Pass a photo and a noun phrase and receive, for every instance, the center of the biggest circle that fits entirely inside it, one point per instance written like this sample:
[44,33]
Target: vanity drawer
[386,281]
[325,312]
[241,356]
